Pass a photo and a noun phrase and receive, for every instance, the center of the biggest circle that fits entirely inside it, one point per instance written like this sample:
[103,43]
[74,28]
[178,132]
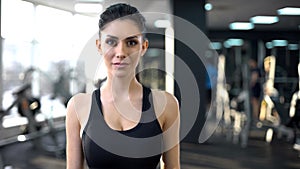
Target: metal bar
[30,136]
[1,64]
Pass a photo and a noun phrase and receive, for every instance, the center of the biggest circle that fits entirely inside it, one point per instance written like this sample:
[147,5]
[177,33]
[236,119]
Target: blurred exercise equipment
[37,127]
[272,115]
[294,114]
[236,114]
[29,107]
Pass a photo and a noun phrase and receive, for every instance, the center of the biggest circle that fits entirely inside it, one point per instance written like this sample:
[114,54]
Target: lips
[120,64]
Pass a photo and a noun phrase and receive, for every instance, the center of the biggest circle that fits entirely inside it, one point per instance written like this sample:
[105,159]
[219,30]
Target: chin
[122,74]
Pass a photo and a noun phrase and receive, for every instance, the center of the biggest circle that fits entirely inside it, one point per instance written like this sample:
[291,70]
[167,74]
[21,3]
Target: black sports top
[136,148]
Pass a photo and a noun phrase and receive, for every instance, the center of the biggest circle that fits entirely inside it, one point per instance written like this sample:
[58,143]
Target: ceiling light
[241,26]
[233,42]
[264,19]
[279,43]
[269,45]
[215,45]
[88,7]
[208,6]
[293,47]
[162,23]
[289,11]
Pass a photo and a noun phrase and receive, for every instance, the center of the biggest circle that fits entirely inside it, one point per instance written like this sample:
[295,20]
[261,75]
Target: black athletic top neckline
[135,148]
[145,105]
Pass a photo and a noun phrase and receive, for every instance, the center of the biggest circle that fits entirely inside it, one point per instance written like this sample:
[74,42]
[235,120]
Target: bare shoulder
[165,99]
[172,100]
[79,106]
[166,107]
[79,100]
[172,106]
[82,98]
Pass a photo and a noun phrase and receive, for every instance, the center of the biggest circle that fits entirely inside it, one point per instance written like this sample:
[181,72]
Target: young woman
[123,124]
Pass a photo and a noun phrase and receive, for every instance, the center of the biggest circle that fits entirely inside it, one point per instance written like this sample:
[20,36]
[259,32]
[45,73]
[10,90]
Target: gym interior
[233,65]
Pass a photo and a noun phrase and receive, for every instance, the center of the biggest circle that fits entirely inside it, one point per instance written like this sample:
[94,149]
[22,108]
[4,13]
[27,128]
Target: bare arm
[171,133]
[74,148]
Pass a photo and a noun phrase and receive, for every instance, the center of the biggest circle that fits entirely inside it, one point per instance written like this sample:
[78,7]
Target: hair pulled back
[121,11]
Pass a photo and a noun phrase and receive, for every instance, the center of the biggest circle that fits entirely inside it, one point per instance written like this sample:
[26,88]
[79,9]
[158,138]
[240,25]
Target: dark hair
[121,11]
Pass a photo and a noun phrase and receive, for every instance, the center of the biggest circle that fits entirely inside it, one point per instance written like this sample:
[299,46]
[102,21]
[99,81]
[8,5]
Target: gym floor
[217,153]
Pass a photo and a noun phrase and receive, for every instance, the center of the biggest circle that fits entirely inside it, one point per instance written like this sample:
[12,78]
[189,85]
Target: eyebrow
[130,37]
[110,36]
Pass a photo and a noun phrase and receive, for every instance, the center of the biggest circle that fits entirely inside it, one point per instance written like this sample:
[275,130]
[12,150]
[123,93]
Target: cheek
[107,55]
[135,56]
[135,51]
[108,52]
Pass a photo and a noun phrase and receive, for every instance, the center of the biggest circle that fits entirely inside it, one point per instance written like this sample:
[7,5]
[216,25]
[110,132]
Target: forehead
[121,28]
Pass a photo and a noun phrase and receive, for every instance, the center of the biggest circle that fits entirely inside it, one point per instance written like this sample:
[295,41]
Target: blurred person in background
[255,86]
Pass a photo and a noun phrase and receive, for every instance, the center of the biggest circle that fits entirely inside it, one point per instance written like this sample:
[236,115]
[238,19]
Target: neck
[122,87]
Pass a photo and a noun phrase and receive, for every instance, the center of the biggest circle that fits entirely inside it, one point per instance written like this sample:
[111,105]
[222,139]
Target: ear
[145,46]
[98,45]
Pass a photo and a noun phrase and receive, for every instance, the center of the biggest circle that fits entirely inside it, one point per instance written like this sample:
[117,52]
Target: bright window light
[84,29]
[14,25]
[51,25]
[279,43]
[289,11]
[54,34]
[264,19]
[162,23]
[88,7]
[169,64]
[241,26]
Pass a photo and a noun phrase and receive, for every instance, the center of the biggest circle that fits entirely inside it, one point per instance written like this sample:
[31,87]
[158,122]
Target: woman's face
[121,44]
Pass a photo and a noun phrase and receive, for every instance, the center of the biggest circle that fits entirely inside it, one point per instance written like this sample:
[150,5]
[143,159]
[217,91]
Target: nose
[121,50]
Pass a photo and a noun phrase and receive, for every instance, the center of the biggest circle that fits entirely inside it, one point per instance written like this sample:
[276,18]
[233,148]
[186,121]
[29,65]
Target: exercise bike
[27,106]
[34,130]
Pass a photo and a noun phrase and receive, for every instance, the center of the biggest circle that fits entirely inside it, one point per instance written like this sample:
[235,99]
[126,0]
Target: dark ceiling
[223,12]
[226,11]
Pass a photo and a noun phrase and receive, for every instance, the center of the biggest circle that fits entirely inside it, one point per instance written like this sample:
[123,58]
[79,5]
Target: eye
[132,43]
[111,42]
